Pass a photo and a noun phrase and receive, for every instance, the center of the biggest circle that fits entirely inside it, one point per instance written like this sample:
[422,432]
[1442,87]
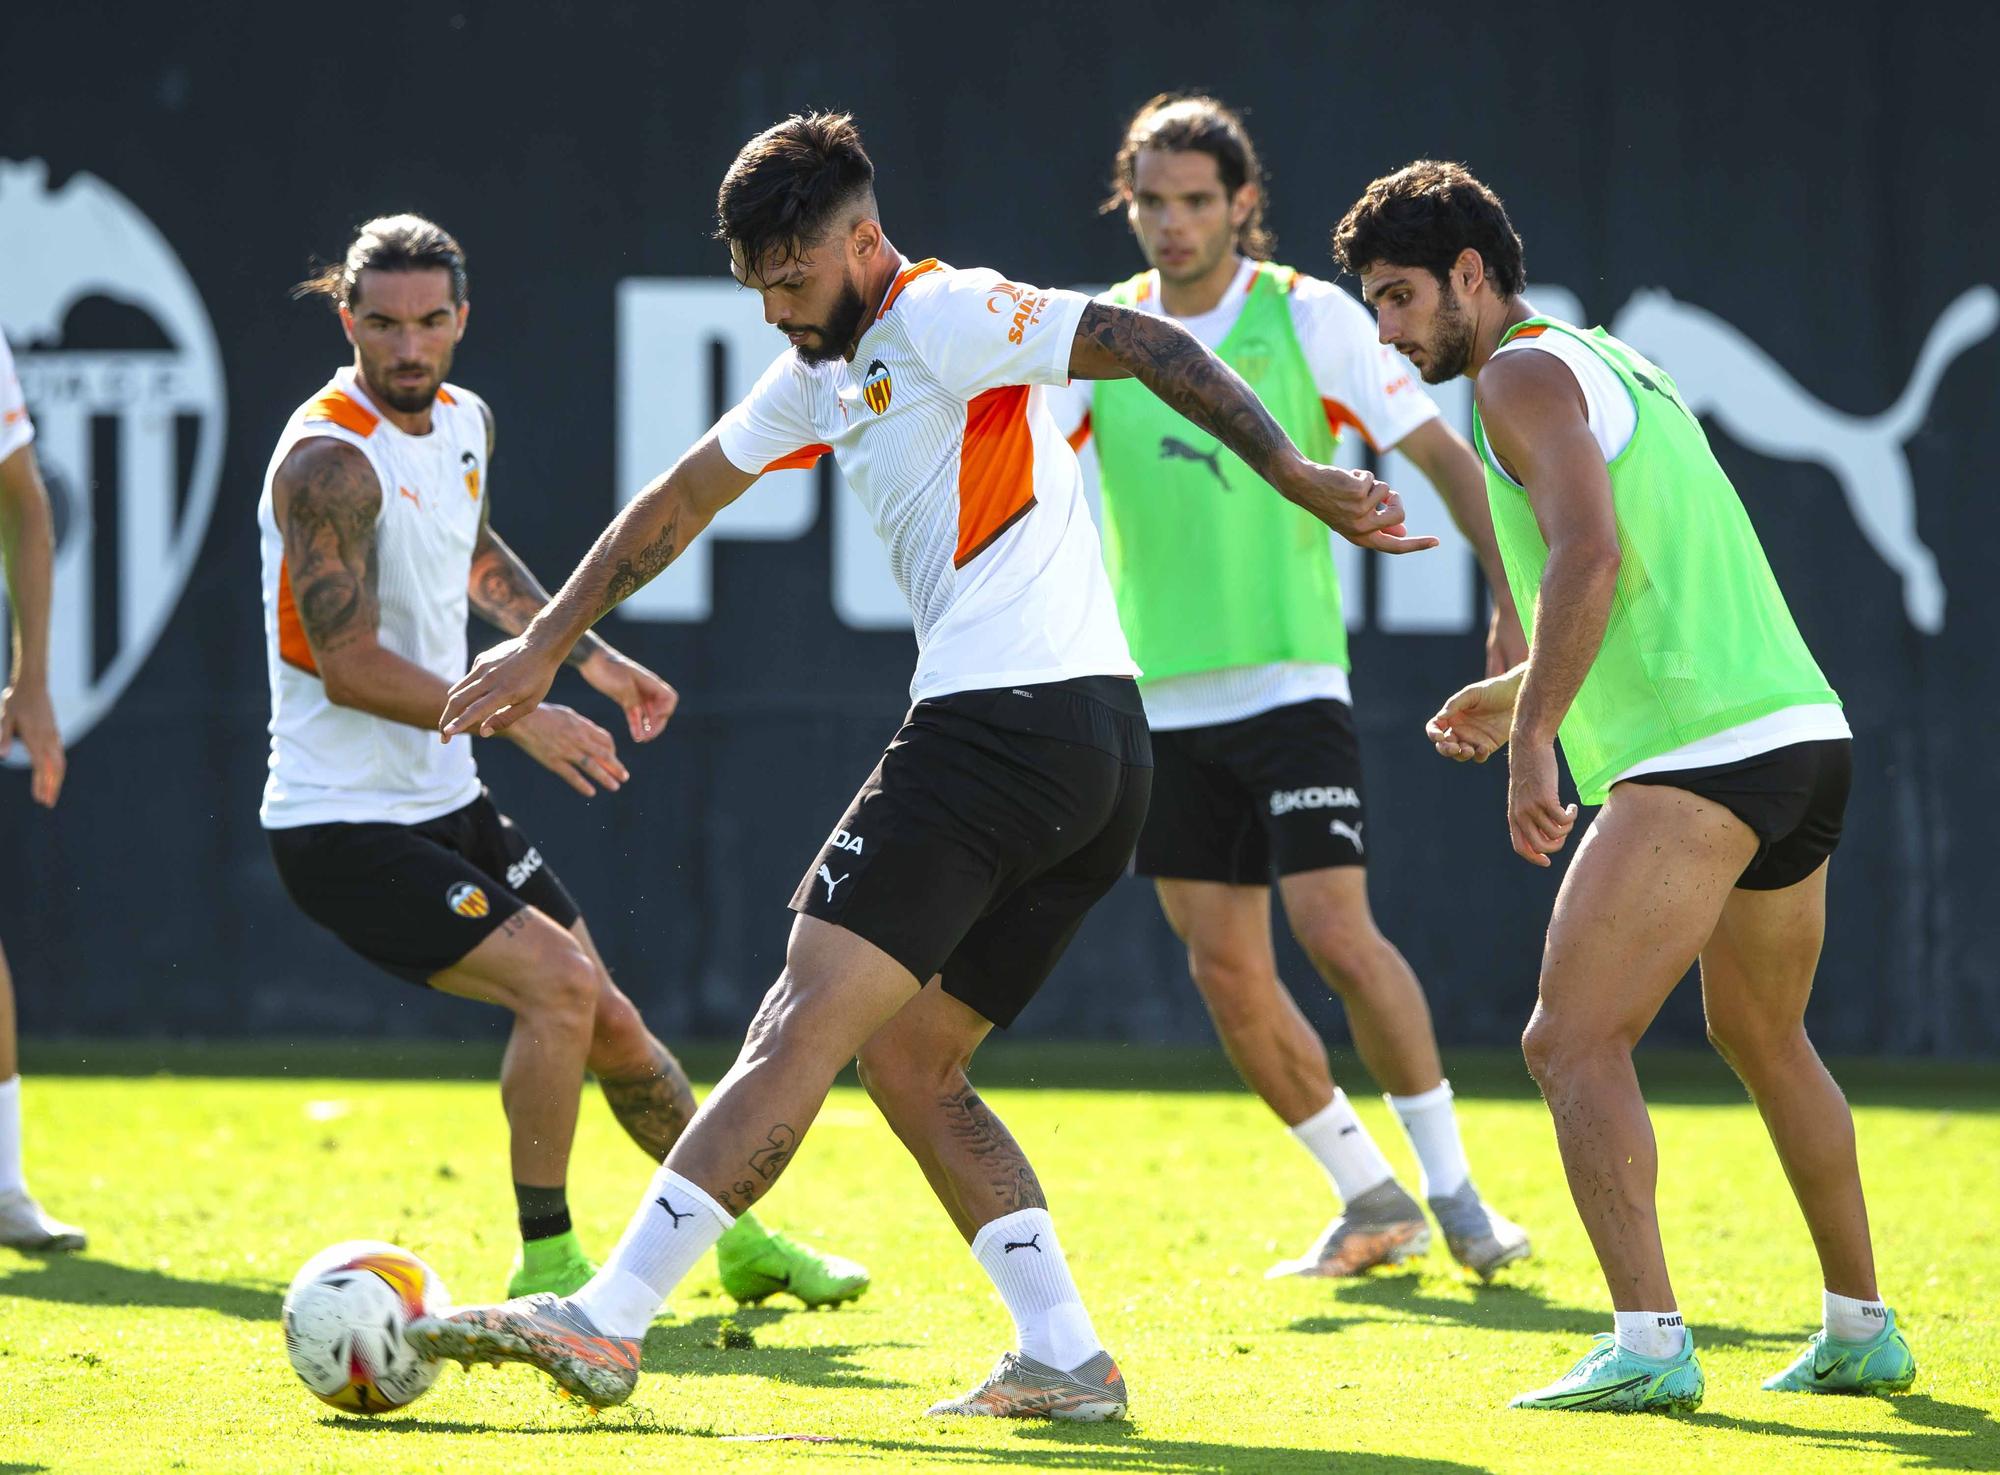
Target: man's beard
[1450,349]
[840,330]
[408,401]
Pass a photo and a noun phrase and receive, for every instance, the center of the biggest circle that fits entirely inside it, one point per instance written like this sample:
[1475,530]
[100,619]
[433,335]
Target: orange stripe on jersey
[1081,434]
[803,457]
[1338,415]
[445,395]
[293,647]
[342,409]
[996,470]
[1533,330]
[903,279]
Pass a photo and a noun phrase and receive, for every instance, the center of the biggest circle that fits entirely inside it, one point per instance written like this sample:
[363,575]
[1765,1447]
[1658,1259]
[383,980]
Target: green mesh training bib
[1700,638]
[1211,567]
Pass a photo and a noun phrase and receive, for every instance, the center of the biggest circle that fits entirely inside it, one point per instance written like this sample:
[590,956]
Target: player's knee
[1231,986]
[1345,954]
[1546,1048]
[620,1042]
[898,1077]
[565,995]
[1750,1047]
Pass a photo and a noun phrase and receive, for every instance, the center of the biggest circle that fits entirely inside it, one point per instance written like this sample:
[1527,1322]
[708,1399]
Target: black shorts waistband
[1102,712]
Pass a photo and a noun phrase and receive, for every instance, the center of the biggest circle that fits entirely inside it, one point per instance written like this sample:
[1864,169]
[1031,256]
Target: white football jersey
[332,763]
[941,428]
[16,429]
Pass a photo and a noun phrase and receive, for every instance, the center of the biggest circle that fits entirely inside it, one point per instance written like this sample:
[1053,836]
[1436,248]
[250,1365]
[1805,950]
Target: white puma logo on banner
[826,875]
[1722,374]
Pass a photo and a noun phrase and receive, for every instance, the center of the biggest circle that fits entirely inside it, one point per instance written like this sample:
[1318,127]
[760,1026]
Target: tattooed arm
[326,498]
[508,681]
[507,595]
[1120,343]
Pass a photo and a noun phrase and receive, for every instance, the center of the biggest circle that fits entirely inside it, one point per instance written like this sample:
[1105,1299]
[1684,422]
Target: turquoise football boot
[1611,1380]
[1883,1364]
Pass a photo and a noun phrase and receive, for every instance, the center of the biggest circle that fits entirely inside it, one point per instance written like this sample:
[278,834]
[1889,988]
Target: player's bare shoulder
[1526,390]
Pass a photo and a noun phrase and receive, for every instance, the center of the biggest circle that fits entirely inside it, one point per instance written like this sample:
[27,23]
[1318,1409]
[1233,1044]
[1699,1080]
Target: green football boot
[556,1265]
[755,1263]
[1883,1364]
[1611,1380]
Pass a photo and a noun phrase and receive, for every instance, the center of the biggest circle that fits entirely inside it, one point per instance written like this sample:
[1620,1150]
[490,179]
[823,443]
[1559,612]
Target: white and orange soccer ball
[344,1319]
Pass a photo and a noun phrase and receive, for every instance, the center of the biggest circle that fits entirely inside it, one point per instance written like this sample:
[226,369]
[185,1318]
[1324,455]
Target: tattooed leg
[643,1084]
[835,991]
[655,1106]
[914,1068]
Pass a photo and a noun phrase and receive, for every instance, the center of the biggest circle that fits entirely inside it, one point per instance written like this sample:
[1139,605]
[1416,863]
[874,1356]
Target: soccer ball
[344,1319]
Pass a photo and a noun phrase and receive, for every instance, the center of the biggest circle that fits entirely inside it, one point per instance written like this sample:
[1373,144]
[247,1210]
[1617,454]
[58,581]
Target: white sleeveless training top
[331,763]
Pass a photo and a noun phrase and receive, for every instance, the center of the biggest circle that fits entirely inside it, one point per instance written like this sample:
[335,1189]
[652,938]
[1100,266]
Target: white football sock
[1341,1145]
[1650,1333]
[11,1180]
[676,1225]
[1854,1321]
[1020,1254]
[1432,1127]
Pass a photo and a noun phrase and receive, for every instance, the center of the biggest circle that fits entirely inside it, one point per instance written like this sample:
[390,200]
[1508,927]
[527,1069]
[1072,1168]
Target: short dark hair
[790,185]
[389,243]
[1192,122]
[1425,214]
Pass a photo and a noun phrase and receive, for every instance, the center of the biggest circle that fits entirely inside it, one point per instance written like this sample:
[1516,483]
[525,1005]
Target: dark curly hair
[1425,214]
[791,184]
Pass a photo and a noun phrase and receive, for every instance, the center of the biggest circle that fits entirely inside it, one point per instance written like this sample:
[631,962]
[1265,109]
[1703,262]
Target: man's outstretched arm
[509,680]
[1119,343]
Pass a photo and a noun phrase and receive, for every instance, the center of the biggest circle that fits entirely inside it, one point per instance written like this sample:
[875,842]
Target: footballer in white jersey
[377,538]
[1008,802]
[27,555]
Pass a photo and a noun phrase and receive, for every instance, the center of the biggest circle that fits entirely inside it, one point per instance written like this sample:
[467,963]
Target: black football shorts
[1794,798]
[993,822]
[1275,793]
[414,899]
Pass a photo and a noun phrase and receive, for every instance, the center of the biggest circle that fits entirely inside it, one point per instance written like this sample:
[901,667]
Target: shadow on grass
[1501,1308]
[694,1345]
[7,1469]
[1948,1436]
[575,1419]
[1033,1446]
[1123,1447]
[75,1280]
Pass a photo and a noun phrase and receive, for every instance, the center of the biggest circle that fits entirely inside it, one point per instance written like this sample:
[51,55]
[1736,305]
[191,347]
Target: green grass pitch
[206,1176]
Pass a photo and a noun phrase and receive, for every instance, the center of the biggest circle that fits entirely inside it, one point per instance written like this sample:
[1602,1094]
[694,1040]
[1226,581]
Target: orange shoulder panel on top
[445,395]
[803,457]
[996,470]
[1533,330]
[1081,434]
[293,647]
[342,409]
[903,279]
[1339,416]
